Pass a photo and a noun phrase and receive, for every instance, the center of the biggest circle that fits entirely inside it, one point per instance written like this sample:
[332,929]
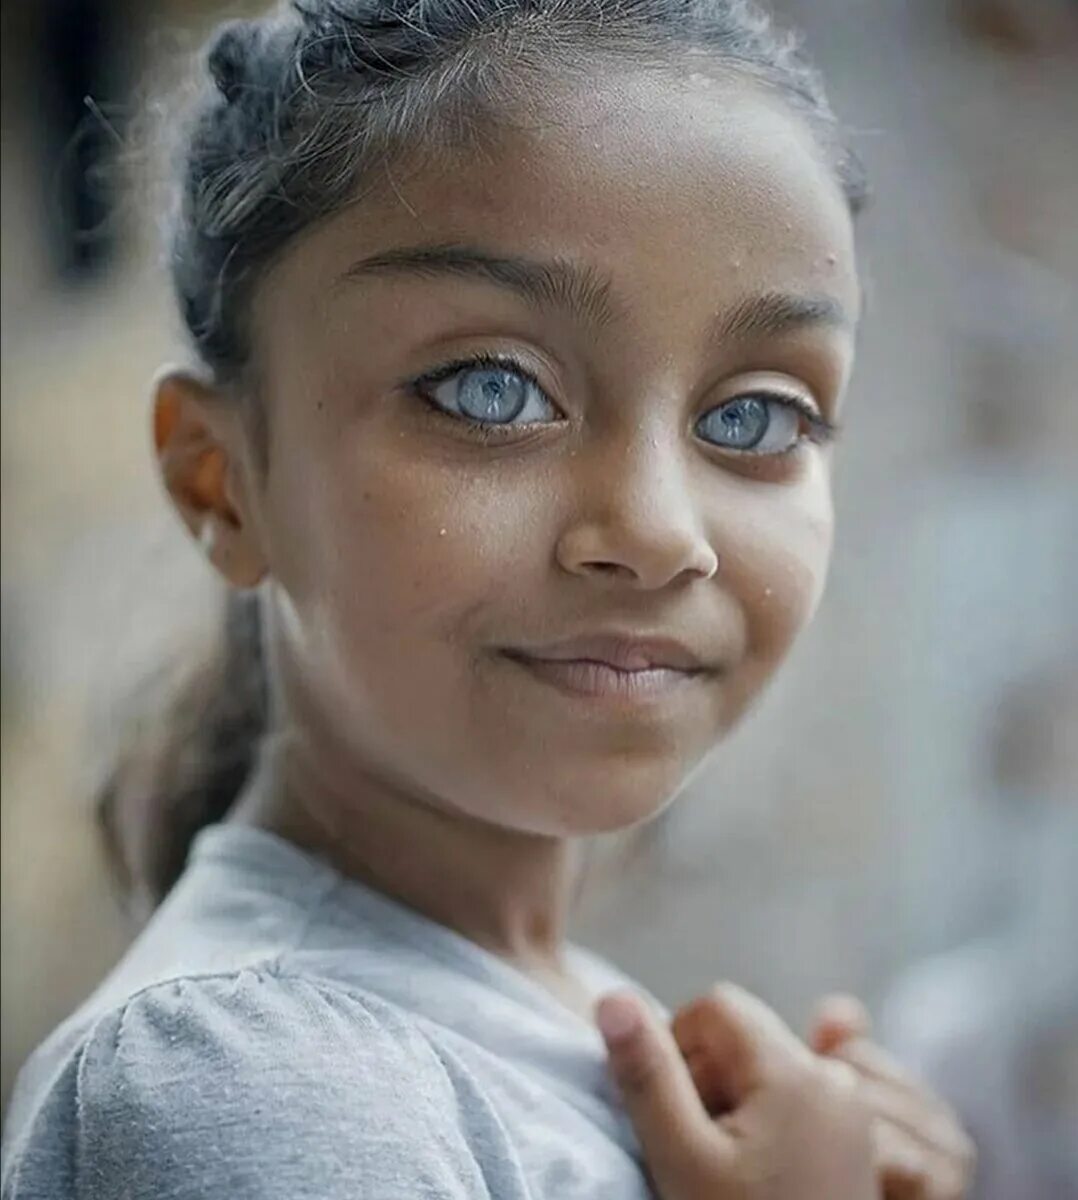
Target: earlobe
[198,438]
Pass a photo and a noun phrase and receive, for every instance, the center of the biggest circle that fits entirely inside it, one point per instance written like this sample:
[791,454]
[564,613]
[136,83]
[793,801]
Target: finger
[893,1095]
[938,1133]
[713,1045]
[737,1044]
[672,1125]
[711,1082]
[908,1170]
[836,1019]
[873,1062]
[901,1165]
[875,1065]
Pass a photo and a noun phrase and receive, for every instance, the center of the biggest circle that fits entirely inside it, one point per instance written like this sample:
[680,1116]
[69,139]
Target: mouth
[614,667]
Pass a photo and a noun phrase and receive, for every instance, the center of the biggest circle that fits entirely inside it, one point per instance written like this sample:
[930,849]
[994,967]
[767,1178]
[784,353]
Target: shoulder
[247,1084]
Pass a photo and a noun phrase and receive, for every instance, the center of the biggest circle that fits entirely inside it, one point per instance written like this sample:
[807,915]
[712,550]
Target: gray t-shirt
[279,1032]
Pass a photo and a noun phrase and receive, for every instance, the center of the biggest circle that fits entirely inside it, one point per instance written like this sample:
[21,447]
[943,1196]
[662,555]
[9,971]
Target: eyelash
[821,430]
[482,430]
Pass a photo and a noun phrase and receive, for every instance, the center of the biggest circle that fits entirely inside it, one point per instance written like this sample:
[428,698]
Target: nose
[637,520]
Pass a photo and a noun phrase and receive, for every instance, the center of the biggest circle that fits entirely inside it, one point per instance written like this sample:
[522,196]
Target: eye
[759,423]
[487,392]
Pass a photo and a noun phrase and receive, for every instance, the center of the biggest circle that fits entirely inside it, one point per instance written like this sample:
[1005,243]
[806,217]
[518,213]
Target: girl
[523,329]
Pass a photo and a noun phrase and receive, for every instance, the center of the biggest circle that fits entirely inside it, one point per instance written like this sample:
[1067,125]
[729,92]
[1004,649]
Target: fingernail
[848,1010]
[618,1017]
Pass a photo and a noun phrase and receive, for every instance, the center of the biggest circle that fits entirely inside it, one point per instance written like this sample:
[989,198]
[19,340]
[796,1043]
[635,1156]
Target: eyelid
[821,430]
[469,362]
[822,426]
[491,433]
[455,366]
[784,389]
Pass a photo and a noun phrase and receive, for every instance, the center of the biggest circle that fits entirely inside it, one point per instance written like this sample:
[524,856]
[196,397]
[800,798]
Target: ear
[201,454]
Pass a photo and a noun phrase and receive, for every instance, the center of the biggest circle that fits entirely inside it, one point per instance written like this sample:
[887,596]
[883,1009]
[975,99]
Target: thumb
[837,1019]
[671,1123]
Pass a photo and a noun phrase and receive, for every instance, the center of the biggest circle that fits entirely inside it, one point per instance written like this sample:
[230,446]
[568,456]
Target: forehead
[695,185]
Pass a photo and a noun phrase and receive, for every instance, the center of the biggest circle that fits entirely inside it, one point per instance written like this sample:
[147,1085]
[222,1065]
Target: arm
[252,1087]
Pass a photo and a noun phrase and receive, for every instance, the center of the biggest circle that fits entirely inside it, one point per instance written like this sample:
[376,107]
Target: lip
[623,652]
[616,667]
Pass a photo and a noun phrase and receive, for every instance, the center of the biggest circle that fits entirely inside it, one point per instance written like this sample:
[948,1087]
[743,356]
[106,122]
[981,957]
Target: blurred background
[901,816]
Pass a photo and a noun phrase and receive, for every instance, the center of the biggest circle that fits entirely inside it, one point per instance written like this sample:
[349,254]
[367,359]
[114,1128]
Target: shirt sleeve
[249,1086]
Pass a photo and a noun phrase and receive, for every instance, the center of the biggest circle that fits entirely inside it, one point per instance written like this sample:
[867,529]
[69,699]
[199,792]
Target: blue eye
[487,392]
[758,424]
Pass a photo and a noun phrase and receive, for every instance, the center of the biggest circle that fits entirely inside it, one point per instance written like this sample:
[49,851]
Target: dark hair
[305,103]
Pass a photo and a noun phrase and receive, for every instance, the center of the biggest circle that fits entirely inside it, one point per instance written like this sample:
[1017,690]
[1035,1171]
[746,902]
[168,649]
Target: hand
[922,1151]
[780,1122]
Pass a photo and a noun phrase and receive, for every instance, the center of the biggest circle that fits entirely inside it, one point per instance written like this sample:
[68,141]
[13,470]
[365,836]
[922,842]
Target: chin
[608,799]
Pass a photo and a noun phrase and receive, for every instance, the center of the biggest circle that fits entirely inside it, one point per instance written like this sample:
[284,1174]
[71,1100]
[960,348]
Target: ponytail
[187,759]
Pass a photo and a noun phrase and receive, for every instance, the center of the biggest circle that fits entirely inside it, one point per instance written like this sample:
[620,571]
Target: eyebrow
[588,295]
[561,284]
[773,313]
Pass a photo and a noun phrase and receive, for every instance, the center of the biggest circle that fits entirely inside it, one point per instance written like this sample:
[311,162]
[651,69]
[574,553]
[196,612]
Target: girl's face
[548,485]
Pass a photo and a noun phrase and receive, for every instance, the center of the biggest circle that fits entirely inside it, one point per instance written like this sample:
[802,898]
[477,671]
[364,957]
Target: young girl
[522,330]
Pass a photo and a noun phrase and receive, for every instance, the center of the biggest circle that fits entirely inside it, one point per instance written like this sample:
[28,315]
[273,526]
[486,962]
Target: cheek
[395,561]
[777,560]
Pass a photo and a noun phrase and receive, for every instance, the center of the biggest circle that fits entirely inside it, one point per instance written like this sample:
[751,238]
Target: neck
[508,891]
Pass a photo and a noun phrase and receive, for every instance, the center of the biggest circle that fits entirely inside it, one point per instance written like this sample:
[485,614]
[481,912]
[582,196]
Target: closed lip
[621,651]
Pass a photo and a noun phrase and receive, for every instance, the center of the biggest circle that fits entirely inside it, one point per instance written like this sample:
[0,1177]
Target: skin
[403,560]
[729,1104]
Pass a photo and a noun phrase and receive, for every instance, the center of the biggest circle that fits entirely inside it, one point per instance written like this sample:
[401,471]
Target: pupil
[743,423]
[492,395]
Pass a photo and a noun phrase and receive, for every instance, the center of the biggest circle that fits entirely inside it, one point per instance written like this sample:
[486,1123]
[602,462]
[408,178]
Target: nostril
[635,555]
[611,568]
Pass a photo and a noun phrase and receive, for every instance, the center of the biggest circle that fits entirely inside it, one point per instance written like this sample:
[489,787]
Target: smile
[614,666]
[598,680]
